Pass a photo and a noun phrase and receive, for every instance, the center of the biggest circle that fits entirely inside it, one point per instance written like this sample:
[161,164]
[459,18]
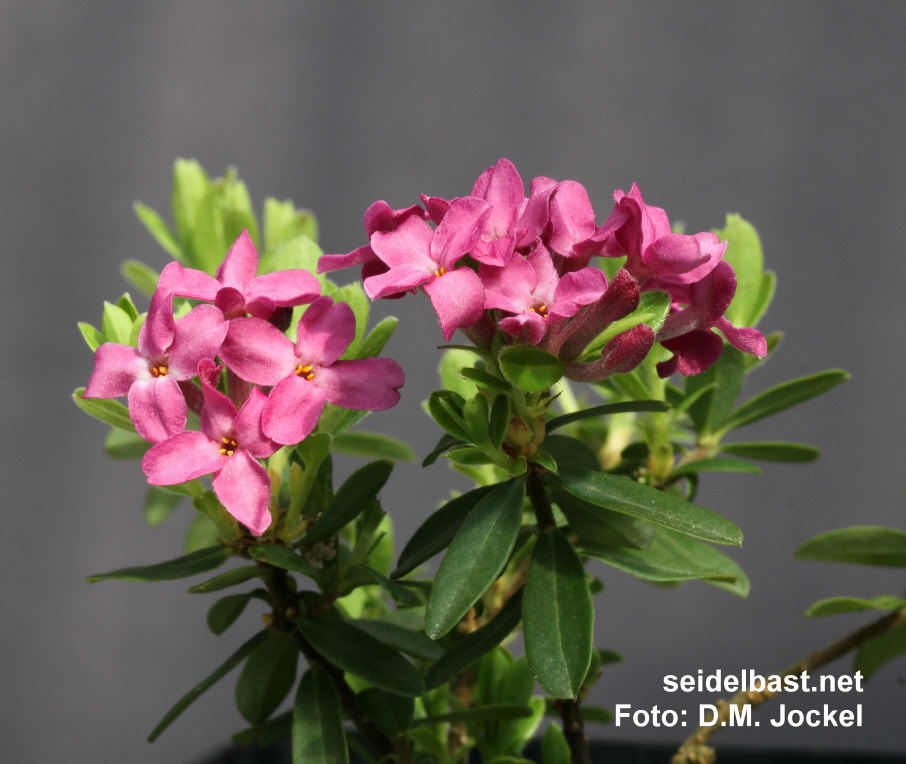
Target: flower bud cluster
[277,388]
[500,260]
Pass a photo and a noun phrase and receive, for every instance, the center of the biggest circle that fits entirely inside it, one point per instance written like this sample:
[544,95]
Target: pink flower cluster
[498,259]
[236,430]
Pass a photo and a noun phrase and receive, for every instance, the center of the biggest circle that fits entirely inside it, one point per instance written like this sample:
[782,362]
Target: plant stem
[537,493]
[694,751]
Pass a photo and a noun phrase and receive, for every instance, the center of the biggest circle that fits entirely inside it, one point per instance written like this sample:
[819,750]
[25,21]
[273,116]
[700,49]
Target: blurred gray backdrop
[789,113]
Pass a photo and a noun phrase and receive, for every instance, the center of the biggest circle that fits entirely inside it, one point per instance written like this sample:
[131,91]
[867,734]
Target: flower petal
[367,384]
[693,353]
[188,282]
[292,410]
[572,217]
[157,408]
[244,489]
[458,299]
[336,262]
[285,288]
[198,335]
[156,334]
[240,264]
[257,351]
[217,415]
[459,230]
[407,245]
[324,332]
[183,457]
[248,429]
[116,367]
[394,282]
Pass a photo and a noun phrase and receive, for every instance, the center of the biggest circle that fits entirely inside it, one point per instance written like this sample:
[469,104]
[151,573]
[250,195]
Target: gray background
[792,114]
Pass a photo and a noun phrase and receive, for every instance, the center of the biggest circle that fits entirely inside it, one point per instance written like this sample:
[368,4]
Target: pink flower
[417,255]
[530,289]
[307,374]
[236,289]
[228,446]
[168,352]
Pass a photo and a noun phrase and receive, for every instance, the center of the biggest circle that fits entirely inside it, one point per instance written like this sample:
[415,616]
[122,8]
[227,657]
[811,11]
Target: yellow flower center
[305,371]
[541,311]
[440,273]
[159,371]
[229,446]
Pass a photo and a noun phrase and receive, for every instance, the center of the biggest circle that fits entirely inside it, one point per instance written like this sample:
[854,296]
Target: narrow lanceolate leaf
[879,651]
[477,554]
[267,676]
[445,443]
[436,533]
[188,565]
[835,605]
[784,396]
[192,695]
[863,544]
[232,577]
[664,509]
[223,613]
[414,643]
[375,340]
[158,229]
[140,276]
[530,368]
[604,410]
[318,736]
[106,409]
[715,464]
[558,616]
[91,335]
[473,646]
[373,445]
[286,558]
[770,451]
[123,444]
[362,655]
[350,499]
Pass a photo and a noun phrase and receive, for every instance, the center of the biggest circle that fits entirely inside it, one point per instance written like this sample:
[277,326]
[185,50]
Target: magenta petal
[244,489]
[381,217]
[743,338]
[257,351]
[188,282]
[409,245]
[230,301]
[576,289]
[240,265]
[396,281]
[458,299]
[285,288]
[368,384]
[674,254]
[336,262]
[217,415]
[695,352]
[199,334]
[183,457]
[503,189]
[459,230]
[248,429]
[116,367]
[292,410]
[157,408]
[510,288]
[324,332]
[527,326]
[572,217]
[156,334]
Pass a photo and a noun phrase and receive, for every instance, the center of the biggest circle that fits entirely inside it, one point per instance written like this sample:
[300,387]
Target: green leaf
[554,748]
[652,309]
[159,504]
[116,324]
[392,714]
[92,336]
[363,484]
[596,714]
[477,644]
[571,452]
[140,276]
[399,593]
[232,577]
[354,296]
[414,643]
[772,451]
[484,379]
[106,409]
[275,729]
[546,460]
[784,396]
[835,605]
[445,408]
[470,455]
[156,226]
[862,544]
[602,527]
[362,655]
[604,410]
[190,184]
[283,223]
[123,444]
[477,555]
[530,368]
[378,337]
[267,676]
[188,565]
[475,414]
[318,736]
[286,558]
[664,509]
[765,296]
[452,363]
[485,712]
[715,464]
[710,411]
[300,252]
[192,695]
[437,531]
[499,420]
[223,613]
[373,445]
[445,443]
[558,616]
[879,651]
[745,255]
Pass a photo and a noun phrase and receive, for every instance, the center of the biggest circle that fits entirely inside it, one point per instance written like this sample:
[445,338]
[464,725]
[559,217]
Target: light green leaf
[378,337]
[188,565]
[530,368]
[283,223]
[354,296]
[116,324]
[862,544]
[485,712]
[554,748]
[300,252]
[373,445]
[745,255]
[765,296]
[140,276]
[267,676]
[123,444]
[451,362]
[318,736]
[835,605]
[159,230]
[190,184]
[92,336]
[106,409]
[652,309]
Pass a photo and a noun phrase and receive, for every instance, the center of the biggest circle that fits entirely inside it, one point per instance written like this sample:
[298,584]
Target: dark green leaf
[159,230]
[414,643]
[772,451]
[267,677]
[784,396]
[473,646]
[223,613]
[362,655]
[378,337]
[710,410]
[835,605]
[863,544]
[232,577]
[477,554]
[318,735]
[437,531]
[373,445]
[558,616]
[445,443]
[125,444]
[499,420]
[276,728]
[469,455]
[879,651]
[391,713]
[140,276]
[475,414]
[604,410]
[350,499]
[286,558]
[484,712]
[603,527]
[188,565]
[530,368]
[192,695]
[106,409]
[571,452]
[485,379]
[399,593]
[445,408]
[658,507]
[715,464]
